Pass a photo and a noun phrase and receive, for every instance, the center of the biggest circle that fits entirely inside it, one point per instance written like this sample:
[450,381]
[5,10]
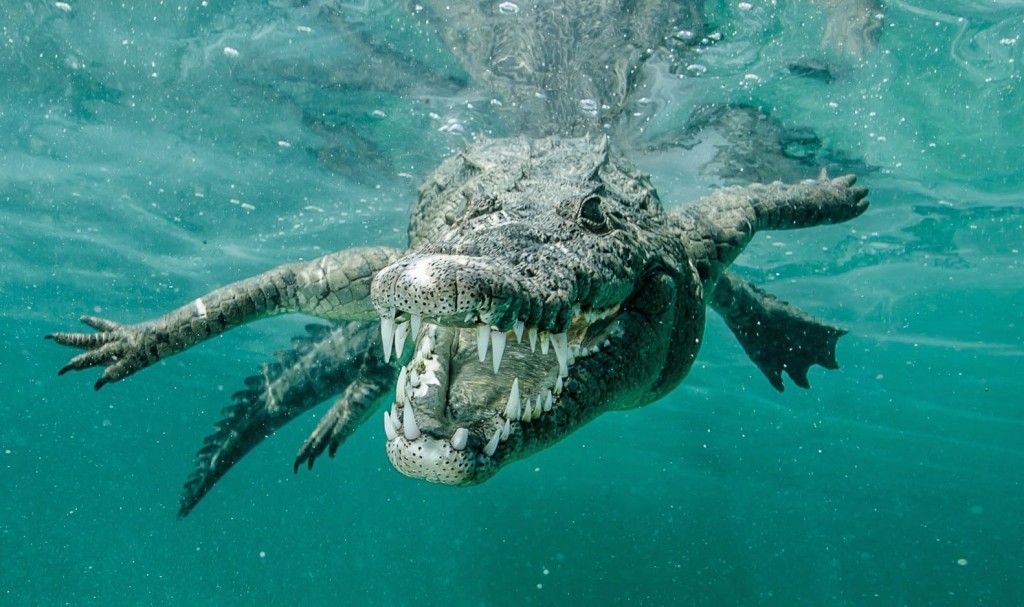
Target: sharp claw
[100,324]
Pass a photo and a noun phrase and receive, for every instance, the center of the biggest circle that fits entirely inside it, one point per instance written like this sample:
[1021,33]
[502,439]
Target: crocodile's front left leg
[336,286]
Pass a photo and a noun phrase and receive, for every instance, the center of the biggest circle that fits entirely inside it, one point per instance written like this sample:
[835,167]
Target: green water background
[142,165]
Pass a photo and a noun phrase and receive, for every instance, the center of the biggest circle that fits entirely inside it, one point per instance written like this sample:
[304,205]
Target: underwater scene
[155,152]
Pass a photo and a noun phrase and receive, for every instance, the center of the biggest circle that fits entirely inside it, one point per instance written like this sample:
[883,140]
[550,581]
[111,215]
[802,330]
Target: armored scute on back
[544,285]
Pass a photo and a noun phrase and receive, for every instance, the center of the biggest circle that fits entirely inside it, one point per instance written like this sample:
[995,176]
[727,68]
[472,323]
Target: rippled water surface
[152,153]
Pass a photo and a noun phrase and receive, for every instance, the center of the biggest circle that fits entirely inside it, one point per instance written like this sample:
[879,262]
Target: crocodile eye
[592,215]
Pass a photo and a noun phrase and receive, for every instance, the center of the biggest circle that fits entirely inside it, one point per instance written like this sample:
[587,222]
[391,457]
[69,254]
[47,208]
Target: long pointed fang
[483,335]
[401,332]
[519,327]
[415,326]
[409,427]
[389,427]
[506,429]
[402,386]
[548,402]
[560,341]
[492,445]
[459,439]
[512,410]
[387,333]
[498,345]
[531,333]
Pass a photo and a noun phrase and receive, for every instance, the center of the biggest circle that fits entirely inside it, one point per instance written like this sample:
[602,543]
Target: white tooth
[395,422]
[415,326]
[544,341]
[414,378]
[401,332]
[548,402]
[506,429]
[519,327]
[559,385]
[595,349]
[498,345]
[387,333]
[389,428]
[527,412]
[483,335]
[427,345]
[538,407]
[402,387]
[606,343]
[560,341]
[409,427]
[492,445]
[469,317]
[531,333]
[403,379]
[512,410]
[459,439]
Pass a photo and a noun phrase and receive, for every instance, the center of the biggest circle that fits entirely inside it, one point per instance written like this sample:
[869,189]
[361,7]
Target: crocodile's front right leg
[336,287]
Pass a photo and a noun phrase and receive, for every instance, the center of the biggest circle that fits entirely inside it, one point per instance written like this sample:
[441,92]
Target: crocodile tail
[319,365]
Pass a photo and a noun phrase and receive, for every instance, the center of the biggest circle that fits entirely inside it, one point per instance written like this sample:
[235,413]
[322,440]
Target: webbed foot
[775,335]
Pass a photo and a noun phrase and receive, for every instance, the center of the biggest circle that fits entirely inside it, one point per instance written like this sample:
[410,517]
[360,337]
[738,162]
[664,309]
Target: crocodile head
[545,285]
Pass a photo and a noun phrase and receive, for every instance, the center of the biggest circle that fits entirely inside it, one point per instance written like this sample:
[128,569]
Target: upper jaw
[466,291]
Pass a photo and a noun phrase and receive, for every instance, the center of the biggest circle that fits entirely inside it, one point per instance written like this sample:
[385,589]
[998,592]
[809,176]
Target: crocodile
[544,284]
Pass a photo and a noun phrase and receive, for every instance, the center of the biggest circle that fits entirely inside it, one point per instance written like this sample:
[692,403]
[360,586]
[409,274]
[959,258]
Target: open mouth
[472,397]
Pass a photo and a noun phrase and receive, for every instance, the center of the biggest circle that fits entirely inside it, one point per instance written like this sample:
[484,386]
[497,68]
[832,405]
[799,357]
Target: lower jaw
[435,461]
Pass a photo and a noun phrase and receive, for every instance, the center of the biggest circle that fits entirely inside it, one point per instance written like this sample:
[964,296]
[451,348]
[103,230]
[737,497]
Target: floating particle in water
[508,8]
[231,52]
[961,562]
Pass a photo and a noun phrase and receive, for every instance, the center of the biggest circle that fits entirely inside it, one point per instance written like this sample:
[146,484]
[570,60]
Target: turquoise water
[143,164]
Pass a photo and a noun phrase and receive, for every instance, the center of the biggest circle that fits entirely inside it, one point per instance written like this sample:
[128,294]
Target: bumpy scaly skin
[544,285]
[333,287]
[330,360]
